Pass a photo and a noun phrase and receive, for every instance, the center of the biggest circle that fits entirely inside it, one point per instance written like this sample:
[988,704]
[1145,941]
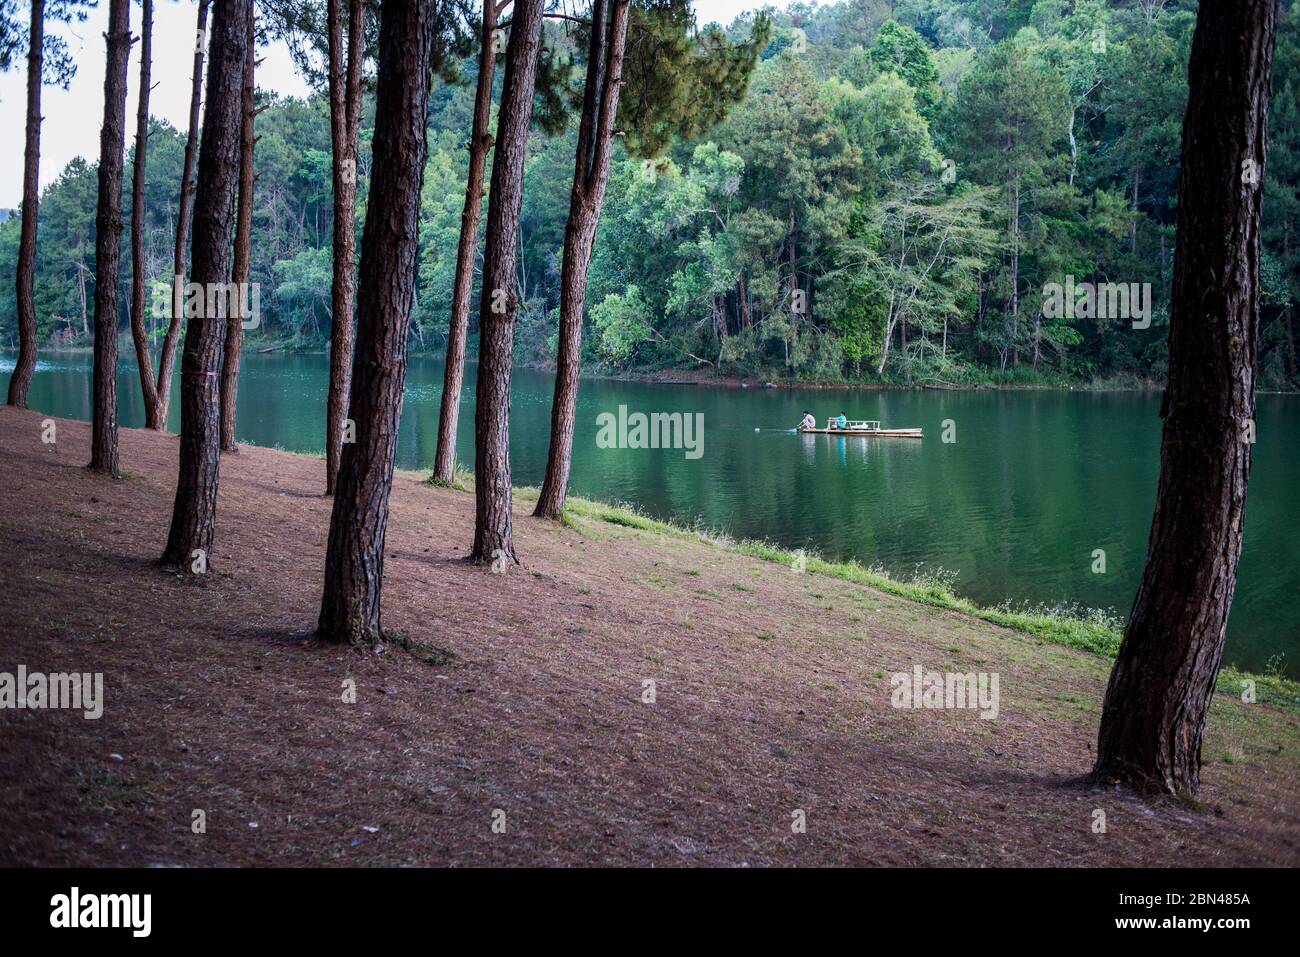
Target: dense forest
[892,199]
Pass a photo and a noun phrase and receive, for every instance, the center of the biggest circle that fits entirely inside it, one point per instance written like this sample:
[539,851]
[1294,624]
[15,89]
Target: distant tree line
[888,200]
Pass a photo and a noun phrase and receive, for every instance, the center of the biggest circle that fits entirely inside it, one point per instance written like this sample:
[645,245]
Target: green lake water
[1014,508]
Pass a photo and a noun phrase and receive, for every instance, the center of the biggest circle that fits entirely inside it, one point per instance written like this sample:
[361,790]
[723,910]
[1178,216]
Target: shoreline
[693,377]
[1097,633]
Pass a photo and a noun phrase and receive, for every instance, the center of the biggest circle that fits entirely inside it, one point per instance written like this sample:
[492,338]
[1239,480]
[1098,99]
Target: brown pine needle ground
[522,693]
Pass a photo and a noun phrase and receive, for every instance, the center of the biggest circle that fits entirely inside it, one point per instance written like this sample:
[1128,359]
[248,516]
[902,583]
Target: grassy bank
[1090,630]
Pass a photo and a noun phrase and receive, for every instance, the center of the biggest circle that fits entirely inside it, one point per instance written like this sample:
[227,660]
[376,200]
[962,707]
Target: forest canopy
[892,198]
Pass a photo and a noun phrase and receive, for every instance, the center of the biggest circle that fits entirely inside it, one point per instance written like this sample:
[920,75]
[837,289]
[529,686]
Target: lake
[1014,508]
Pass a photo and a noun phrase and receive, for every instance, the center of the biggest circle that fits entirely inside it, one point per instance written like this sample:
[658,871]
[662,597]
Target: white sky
[72,116]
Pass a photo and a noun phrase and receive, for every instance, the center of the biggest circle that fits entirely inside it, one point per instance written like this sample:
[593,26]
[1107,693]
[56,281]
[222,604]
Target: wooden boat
[867,428]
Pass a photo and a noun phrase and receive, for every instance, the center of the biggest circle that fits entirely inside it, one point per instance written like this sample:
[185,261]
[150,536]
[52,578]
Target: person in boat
[809,422]
[842,421]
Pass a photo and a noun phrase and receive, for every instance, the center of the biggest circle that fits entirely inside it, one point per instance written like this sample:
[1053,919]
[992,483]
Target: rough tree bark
[444,463]
[108,240]
[354,560]
[590,174]
[1163,680]
[243,249]
[345,129]
[493,532]
[139,335]
[20,382]
[167,355]
[194,512]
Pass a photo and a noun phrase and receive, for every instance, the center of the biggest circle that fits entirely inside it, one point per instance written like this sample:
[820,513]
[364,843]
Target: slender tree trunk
[1074,146]
[195,510]
[1137,195]
[1163,680]
[108,240]
[1289,354]
[354,561]
[81,284]
[234,341]
[794,290]
[493,531]
[20,382]
[1015,269]
[590,175]
[139,270]
[345,125]
[444,463]
[167,358]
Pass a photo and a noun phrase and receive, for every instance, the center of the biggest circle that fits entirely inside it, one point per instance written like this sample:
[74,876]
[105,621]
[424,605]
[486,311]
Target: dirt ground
[520,702]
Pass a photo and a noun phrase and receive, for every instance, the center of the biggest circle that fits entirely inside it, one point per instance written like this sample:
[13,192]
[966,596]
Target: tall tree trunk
[167,357]
[590,175]
[345,126]
[20,382]
[493,532]
[444,463]
[354,561]
[108,240]
[234,342]
[195,510]
[139,271]
[1161,686]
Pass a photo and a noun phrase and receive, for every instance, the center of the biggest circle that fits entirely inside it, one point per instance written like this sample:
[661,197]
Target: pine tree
[194,513]
[1153,716]
[108,241]
[354,561]
[493,524]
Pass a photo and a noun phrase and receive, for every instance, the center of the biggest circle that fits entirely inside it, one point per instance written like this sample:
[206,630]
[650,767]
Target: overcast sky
[72,116]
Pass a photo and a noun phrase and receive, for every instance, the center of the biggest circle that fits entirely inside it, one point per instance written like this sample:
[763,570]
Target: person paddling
[808,421]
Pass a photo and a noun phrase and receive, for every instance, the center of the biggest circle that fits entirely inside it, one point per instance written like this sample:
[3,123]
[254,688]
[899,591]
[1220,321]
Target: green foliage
[11,34]
[621,322]
[871,190]
[57,65]
[899,49]
[678,82]
[1281,227]
[303,292]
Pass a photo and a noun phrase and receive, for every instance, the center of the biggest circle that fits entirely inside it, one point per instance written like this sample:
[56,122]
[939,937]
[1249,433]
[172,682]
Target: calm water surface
[1014,508]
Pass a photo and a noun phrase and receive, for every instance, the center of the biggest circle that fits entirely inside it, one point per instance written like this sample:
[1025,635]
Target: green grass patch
[462,480]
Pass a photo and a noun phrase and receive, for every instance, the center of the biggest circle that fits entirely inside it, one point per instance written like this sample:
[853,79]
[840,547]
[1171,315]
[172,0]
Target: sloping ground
[520,700]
